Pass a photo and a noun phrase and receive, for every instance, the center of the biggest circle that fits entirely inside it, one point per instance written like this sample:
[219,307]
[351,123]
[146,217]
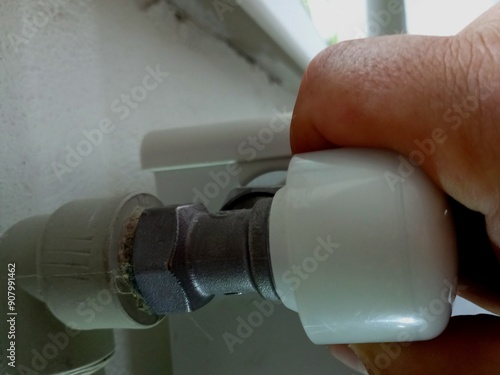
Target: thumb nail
[347,356]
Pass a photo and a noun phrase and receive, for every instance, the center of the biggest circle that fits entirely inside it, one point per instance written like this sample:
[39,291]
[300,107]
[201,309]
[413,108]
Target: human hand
[396,92]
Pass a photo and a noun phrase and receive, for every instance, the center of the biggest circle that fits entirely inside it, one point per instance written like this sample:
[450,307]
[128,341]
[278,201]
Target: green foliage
[334,39]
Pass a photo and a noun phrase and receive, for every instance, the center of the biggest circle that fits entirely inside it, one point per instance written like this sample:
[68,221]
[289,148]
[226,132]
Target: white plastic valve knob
[363,248]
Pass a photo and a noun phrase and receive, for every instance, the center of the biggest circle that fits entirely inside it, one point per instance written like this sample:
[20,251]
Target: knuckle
[326,62]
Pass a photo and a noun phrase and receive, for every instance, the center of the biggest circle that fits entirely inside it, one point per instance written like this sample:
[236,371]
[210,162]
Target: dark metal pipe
[184,255]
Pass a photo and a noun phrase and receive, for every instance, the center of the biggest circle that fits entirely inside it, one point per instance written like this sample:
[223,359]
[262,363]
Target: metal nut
[159,233]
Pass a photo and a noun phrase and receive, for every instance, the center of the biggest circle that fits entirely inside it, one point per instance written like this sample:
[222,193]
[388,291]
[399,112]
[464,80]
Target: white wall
[63,77]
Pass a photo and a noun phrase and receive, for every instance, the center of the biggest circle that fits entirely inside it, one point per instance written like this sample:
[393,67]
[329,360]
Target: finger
[387,77]
[409,94]
[469,345]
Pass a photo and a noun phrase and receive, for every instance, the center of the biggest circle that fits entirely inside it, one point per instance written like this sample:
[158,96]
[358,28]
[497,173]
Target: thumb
[469,345]
[433,99]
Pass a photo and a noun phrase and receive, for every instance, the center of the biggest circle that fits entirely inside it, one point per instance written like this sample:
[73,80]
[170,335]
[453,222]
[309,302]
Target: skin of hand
[392,92]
